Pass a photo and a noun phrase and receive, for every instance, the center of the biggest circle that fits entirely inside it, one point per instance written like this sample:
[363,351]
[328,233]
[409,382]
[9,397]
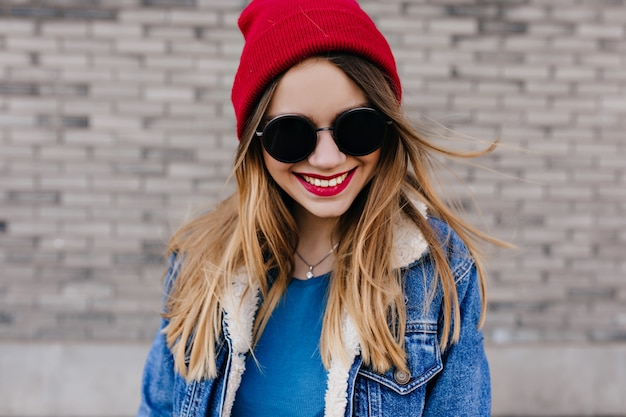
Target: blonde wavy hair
[254,230]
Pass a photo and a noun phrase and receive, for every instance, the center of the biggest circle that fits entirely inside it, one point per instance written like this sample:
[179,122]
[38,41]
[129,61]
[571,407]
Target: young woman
[335,282]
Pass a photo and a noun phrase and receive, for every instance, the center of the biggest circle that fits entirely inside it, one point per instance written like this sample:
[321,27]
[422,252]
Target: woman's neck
[315,241]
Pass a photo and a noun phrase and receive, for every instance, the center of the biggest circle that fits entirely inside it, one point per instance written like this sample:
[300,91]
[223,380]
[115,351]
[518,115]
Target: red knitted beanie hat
[280,33]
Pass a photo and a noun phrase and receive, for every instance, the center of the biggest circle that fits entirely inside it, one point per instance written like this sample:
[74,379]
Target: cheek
[371,161]
[274,167]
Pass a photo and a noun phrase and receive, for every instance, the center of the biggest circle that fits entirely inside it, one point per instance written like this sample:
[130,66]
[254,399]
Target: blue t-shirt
[288,377]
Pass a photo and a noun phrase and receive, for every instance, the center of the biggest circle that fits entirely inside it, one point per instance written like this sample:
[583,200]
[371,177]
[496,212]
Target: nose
[326,154]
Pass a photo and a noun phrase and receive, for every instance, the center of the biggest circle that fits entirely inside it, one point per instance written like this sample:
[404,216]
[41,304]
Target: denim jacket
[454,382]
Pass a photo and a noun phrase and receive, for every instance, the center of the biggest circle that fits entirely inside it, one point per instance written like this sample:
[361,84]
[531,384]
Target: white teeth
[325,183]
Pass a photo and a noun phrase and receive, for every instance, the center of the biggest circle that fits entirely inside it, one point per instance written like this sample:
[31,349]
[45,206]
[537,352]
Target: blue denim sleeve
[157,386]
[463,388]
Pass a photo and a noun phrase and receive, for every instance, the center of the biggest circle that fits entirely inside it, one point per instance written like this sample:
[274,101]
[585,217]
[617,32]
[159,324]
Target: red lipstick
[319,184]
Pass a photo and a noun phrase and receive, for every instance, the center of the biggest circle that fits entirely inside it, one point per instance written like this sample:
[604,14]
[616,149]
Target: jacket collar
[241,304]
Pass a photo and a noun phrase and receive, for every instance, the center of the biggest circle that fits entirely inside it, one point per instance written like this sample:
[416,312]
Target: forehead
[315,88]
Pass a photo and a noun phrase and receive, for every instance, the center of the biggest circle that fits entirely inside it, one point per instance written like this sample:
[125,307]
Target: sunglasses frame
[315,130]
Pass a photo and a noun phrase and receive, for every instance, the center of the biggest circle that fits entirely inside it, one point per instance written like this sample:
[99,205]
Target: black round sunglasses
[291,138]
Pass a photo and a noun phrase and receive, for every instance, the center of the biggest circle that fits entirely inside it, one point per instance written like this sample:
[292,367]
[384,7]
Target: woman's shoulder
[448,238]
[457,254]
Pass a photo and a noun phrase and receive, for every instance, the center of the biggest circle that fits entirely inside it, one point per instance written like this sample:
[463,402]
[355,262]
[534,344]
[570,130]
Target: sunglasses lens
[360,131]
[289,139]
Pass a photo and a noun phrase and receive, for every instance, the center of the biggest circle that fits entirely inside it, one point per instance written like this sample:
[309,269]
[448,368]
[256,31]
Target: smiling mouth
[323,183]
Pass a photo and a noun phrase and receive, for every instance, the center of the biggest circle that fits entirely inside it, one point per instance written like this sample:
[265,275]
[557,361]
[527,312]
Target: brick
[599,120]
[16,182]
[168,185]
[139,230]
[574,14]
[170,33]
[549,177]
[142,76]
[63,182]
[426,69]
[109,30]
[87,259]
[194,78]
[15,59]
[476,71]
[613,75]
[578,104]
[142,200]
[117,153]
[547,87]
[526,72]
[63,153]
[546,117]
[614,104]
[16,120]
[39,136]
[87,138]
[62,60]
[32,228]
[601,31]
[115,244]
[524,102]
[85,199]
[17,152]
[426,40]
[121,184]
[578,74]
[498,87]
[533,57]
[22,167]
[612,14]
[169,93]
[140,46]
[193,109]
[498,117]
[61,213]
[602,60]
[527,13]
[31,104]
[87,229]
[216,65]
[193,17]
[178,124]
[574,44]
[524,43]
[195,48]
[143,16]
[116,61]
[14,27]
[115,122]
[170,62]
[85,106]
[550,29]
[141,108]
[50,28]
[452,26]
[114,90]
[32,44]
[87,45]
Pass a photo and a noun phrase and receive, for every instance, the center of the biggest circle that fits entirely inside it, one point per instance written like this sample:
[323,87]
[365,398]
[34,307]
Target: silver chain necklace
[309,273]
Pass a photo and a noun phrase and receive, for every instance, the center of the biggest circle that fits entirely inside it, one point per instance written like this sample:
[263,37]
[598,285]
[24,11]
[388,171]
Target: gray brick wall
[116,124]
